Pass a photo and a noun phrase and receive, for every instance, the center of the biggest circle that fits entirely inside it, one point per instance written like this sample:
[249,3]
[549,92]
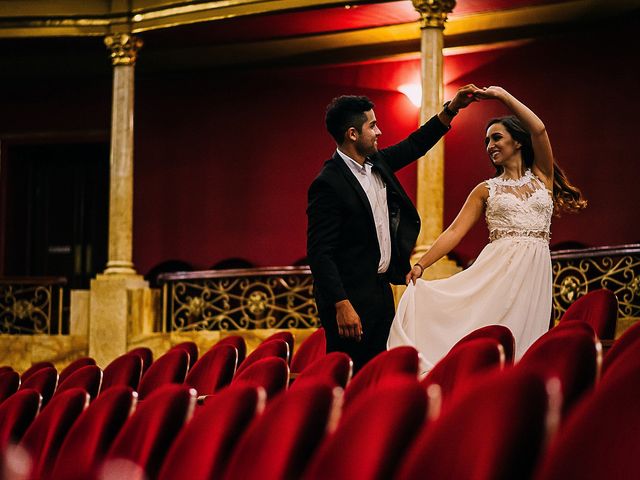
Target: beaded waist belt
[498,234]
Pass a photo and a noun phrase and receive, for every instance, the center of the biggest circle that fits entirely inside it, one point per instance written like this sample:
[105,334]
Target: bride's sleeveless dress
[509,283]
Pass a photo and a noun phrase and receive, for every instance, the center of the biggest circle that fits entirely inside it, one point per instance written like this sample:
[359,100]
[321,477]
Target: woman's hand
[493,92]
[415,273]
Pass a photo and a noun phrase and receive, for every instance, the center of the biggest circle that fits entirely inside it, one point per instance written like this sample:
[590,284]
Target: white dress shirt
[376,191]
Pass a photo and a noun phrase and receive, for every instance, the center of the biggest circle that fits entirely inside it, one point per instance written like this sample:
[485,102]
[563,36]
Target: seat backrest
[231,411]
[310,350]
[285,335]
[73,366]
[464,363]
[44,381]
[572,356]
[147,435]
[271,373]
[599,309]
[9,384]
[45,435]
[373,436]
[34,368]
[600,438]
[238,342]
[498,332]
[399,360]
[145,354]
[16,414]
[493,432]
[281,441]
[6,368]
[191,348]
[88,378]
[334,368]
[169,368]
[273,348]
[123,370]
[630,339]
[92,434]
[214,370]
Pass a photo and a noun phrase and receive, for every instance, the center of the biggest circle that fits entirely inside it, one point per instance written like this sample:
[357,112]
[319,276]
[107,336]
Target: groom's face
[367,140]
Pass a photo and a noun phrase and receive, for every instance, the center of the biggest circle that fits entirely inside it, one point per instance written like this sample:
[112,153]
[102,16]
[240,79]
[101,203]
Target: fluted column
[123,48]
[430,182]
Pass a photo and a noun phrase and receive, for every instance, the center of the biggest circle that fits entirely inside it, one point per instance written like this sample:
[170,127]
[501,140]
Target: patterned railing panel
[31,305]
[576,272]
[274,297]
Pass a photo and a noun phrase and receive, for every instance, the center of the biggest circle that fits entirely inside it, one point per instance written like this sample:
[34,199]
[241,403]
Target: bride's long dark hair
[566,197]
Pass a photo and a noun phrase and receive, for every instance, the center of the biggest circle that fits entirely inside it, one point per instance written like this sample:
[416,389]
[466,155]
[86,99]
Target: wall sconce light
[413,91]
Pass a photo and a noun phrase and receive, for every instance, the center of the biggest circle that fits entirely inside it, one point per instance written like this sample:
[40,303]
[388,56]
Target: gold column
[430,184]
[113,316]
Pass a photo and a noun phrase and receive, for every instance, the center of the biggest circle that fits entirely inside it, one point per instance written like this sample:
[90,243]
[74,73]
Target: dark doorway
[56,217]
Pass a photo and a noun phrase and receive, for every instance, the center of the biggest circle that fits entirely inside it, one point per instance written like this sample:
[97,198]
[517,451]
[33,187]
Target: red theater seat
[599,309]
[630,340]
[147,435]
[273,348]
[280,442]
[88,378]
[44,381]
[494,431]
[191,348]
[217,430]
[312,349]
[498,332]
[372,437]
[9,384]
[271,373]
[73,366]
[92,434]
[169,368]
[43,438]
[16,414]
[145,354]
[238,342]
[125,370]
[34,368]
[285,335]
[335,368]
[214,370]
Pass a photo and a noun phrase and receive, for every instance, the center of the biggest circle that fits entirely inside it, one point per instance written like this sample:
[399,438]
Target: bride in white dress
[510,281]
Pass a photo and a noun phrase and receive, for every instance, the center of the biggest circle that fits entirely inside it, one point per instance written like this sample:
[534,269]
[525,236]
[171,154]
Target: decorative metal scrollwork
[240,299]
[29,307]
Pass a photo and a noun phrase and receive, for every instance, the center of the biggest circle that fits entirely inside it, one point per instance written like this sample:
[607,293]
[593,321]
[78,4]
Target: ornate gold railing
[272,297]
[32,305]
[576,272]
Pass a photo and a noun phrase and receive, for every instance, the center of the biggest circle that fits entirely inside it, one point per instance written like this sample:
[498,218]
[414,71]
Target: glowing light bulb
[413,91]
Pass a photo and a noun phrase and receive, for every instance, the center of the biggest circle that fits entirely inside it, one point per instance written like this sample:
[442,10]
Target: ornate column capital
[123,47]
[433,13]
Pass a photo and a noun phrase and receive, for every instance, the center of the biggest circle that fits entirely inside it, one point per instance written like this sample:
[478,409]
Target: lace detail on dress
[518,208]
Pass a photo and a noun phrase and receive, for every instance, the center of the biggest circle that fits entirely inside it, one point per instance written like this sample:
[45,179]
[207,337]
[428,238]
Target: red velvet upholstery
[492,432]
[146,437]
[9,384]
[312,349]
[169,368]
[73,366]
[498,332]
[88,378]
[16,414]
[273,348]
[335,368]
[6,368]
[47,432]
[146,355]
[374,434]
[44,381]
[191,348]
[600,438]
[399,360]
[214,370]
[463,363]
[218,427]
[271,373]
[124,370]
[279,443]
[285,335]
[34,368]
[630,339]
[570,355]
[92,434]
[238,342]
[599,309]
[572,325]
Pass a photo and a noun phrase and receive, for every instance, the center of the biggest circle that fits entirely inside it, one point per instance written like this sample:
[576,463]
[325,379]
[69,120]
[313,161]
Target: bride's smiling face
[501,147]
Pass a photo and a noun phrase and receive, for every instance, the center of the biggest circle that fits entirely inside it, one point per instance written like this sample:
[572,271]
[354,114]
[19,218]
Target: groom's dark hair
[345,112]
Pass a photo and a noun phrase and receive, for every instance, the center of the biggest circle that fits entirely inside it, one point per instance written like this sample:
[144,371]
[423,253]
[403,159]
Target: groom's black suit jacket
[342,245]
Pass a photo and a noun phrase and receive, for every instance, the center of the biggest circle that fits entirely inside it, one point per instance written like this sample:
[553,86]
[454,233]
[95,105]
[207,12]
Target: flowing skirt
[509,284]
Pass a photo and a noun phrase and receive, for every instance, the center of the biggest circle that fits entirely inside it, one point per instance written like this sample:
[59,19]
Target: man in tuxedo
[362,226]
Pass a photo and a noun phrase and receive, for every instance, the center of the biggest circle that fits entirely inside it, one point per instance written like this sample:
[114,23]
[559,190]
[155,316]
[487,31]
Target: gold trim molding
[433,13]
[123,48]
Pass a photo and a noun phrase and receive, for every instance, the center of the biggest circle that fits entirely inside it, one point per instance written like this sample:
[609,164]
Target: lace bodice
[518,208]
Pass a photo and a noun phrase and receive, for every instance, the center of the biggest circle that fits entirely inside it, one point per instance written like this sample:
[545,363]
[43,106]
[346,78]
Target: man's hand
[349,325]
[464,97]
